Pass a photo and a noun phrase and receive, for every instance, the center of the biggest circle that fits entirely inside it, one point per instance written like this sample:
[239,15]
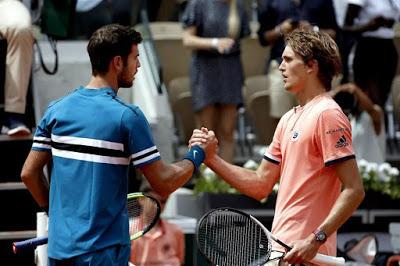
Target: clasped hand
[206,139]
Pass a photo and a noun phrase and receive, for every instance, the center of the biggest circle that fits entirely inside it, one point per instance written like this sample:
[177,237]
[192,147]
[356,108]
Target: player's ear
[117,63]
[312,66]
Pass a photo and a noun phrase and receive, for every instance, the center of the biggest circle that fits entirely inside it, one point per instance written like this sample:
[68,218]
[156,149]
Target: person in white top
[375,59]
[367,122]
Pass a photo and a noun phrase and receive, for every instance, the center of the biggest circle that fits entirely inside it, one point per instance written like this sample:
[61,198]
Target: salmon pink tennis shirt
[308,140]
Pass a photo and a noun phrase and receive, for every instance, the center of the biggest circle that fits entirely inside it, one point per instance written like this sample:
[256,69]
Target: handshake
[203,146]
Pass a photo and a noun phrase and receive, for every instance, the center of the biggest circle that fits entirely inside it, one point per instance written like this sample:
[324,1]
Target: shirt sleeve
[333,137]
[141,145]
[191,16]
[42,137]
[273,153]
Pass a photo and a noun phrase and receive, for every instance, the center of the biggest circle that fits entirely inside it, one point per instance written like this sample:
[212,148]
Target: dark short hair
[110,41]
[319,46]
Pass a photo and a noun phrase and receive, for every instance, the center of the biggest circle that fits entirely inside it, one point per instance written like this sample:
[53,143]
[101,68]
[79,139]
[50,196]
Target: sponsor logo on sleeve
[342,142]
[332,131]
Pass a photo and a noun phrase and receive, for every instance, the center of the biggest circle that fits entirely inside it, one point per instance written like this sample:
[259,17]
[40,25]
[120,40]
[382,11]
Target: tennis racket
[227,237]
[143,211]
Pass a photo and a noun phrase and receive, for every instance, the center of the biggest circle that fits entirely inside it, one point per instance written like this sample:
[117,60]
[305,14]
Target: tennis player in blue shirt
[92,136]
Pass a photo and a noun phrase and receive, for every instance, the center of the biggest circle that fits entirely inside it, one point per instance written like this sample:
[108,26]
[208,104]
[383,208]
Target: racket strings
[141,211]
[229,238]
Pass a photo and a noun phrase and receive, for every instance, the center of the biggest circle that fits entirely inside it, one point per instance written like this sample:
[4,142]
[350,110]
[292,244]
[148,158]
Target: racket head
[143,211]
[226,236]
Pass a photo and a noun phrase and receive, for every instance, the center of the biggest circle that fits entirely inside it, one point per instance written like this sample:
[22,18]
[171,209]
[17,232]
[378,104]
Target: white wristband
[214,43]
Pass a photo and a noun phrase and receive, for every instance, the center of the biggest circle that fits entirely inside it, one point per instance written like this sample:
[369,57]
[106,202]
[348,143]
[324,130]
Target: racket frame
[136,195]
[204,217]
[318,259]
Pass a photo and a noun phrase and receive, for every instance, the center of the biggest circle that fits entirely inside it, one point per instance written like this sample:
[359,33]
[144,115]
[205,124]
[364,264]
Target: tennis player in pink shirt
[311,154]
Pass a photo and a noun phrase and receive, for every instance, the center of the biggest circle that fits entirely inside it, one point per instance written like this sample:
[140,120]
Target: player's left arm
[33,178]
[346,170]
[349,199]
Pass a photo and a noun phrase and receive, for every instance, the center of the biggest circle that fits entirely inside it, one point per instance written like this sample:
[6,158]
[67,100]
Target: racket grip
[29,243]
[328,260]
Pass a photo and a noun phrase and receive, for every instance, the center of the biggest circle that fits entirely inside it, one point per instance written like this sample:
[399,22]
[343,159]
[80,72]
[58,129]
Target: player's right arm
[257,184]
[166,178]
[163,177]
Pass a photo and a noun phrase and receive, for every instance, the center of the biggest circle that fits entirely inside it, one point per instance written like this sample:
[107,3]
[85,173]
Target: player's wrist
[319,236]
[311,241]
[196,155]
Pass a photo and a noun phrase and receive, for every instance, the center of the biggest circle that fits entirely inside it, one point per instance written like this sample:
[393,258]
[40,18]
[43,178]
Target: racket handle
[29,243]
[328,260]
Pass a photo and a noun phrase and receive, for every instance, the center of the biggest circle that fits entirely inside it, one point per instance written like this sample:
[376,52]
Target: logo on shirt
[195,154]
[342,142]
[295,136]
[332,131]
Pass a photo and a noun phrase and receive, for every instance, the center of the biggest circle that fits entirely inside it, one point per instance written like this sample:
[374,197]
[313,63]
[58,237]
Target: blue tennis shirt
[93,137]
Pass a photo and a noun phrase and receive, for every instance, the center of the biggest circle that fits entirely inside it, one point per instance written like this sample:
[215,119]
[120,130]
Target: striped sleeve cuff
[269,157]
[41,143]
[145,156]
[338,160]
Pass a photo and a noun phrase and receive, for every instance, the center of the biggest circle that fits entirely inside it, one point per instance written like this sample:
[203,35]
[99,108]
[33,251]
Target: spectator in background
[121,11]
[375,58]
[16,28]
[213,30]
[91,15]
[344,40]
[164,244]
[278,18]
[367,122]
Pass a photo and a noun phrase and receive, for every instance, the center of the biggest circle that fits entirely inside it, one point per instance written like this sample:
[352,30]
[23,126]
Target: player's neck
[309,92]
[99,81]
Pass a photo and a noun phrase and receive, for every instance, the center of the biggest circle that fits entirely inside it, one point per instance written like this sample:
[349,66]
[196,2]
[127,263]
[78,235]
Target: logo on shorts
[342,142]
[295,136]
